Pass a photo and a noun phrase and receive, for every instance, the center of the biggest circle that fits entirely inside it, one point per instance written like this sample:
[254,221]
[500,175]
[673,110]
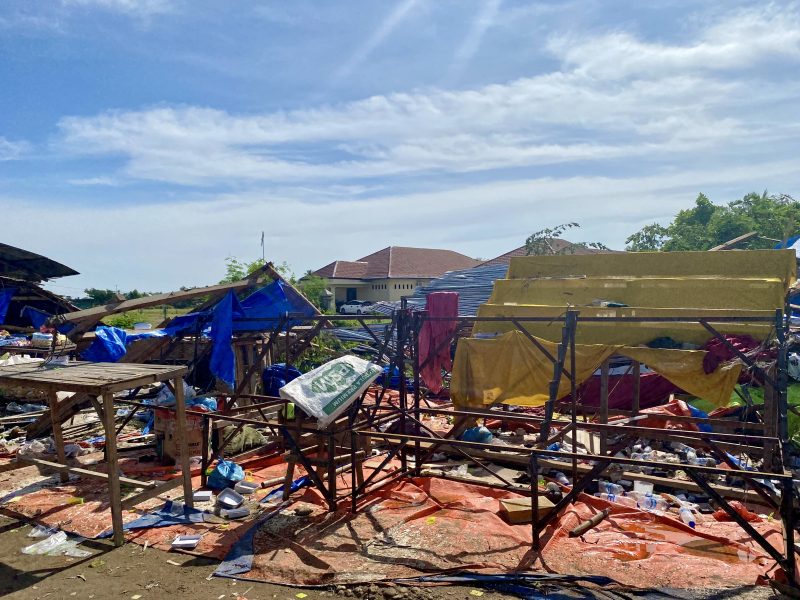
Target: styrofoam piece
[246,487]
[228,498]
[202,496]
[234,513]
[186,541]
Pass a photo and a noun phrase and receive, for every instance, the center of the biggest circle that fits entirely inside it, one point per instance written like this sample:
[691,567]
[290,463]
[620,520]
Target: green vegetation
[549,241]
[154,316]
[757,394]
[707,224]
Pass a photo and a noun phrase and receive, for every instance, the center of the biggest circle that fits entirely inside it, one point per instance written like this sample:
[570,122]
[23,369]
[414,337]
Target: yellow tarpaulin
[510,369]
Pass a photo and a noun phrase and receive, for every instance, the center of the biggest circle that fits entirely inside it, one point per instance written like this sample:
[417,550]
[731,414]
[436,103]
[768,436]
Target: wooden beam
[98,312]
[54,466]
[735,241]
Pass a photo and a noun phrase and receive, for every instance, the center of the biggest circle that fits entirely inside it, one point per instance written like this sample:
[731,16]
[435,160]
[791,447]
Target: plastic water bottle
[651,503]
[687,516]
[610,488]
[562,479]
[624,500]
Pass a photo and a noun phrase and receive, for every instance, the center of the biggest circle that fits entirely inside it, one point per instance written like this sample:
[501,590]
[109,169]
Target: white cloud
[93,181]
[619,96]
[744,39]
[13,150]
[383,31]
[481,220]
[137,8]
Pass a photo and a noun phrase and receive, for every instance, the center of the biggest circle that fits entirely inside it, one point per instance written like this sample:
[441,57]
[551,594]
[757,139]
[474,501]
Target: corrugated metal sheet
[474,286]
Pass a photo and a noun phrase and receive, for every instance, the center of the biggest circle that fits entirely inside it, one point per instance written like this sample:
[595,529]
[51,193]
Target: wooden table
[100,381]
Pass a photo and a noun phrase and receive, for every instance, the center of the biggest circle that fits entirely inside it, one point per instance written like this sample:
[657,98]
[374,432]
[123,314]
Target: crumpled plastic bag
[226,474]
[165,397]
[56,545]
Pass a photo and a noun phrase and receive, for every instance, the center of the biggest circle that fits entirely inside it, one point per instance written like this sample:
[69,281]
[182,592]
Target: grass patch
[154,316]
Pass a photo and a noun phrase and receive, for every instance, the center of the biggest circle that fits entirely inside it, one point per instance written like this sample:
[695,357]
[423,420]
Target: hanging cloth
[434,351]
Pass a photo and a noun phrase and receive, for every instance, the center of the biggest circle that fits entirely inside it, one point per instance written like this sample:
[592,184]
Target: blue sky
[143,141]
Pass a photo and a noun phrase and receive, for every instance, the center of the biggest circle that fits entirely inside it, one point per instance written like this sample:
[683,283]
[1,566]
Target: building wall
[376,290]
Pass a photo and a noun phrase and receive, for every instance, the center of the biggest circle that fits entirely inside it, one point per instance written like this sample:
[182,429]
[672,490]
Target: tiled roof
[343,269]
[557,245]
[398,262]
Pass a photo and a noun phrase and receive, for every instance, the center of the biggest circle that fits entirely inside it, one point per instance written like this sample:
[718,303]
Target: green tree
[549,241]
[236,270]
[313,287]
[99,297]
[706,225]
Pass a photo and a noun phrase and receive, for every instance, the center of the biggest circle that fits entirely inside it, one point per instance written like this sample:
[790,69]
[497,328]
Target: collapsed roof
[28,266]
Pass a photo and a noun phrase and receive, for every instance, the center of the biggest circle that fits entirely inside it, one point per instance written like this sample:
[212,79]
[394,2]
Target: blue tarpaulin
[270,303]
[222,364]
[36,316]
[108,345]
[260,311]
[6,295]
[172,513]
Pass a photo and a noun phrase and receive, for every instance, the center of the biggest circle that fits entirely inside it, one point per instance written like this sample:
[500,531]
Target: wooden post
[58,435]
[113,469]
[604,405]
[637,380]
[183,443]
[770,418]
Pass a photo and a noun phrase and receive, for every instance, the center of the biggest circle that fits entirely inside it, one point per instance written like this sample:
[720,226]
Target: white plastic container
[202,496]
[246,487]
[643,487]
[229,499]
[186,542]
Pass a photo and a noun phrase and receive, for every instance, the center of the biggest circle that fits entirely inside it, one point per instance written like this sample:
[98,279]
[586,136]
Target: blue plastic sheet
[270,303]
[6,294]
[240,557]
[276,376]
[172,513]
[37,317]
[696,412]
[223,364]
[225,474]
[108,345]
[297,484]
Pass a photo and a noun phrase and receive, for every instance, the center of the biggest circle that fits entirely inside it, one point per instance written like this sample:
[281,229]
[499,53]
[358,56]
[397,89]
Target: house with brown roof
[557,245]
[390,273]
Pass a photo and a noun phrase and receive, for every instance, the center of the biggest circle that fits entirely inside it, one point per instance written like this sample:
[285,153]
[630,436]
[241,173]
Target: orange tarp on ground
[425,526]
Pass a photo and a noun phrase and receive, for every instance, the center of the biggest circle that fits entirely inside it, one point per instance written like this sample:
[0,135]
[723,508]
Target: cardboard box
[165,428]
[518,510]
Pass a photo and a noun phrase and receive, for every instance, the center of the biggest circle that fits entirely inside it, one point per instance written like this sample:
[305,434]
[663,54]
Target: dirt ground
[131,572]
[135,573]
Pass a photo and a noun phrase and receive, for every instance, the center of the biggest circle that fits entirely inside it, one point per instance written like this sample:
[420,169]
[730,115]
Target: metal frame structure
[414,442]
[563,361]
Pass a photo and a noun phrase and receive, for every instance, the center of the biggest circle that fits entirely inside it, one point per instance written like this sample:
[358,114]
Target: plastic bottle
[624,500]
[652,503]
[687,516]
[642,455]
[562,479]
[610,488]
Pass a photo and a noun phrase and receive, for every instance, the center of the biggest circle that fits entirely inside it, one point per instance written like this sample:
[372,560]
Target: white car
[355,307]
